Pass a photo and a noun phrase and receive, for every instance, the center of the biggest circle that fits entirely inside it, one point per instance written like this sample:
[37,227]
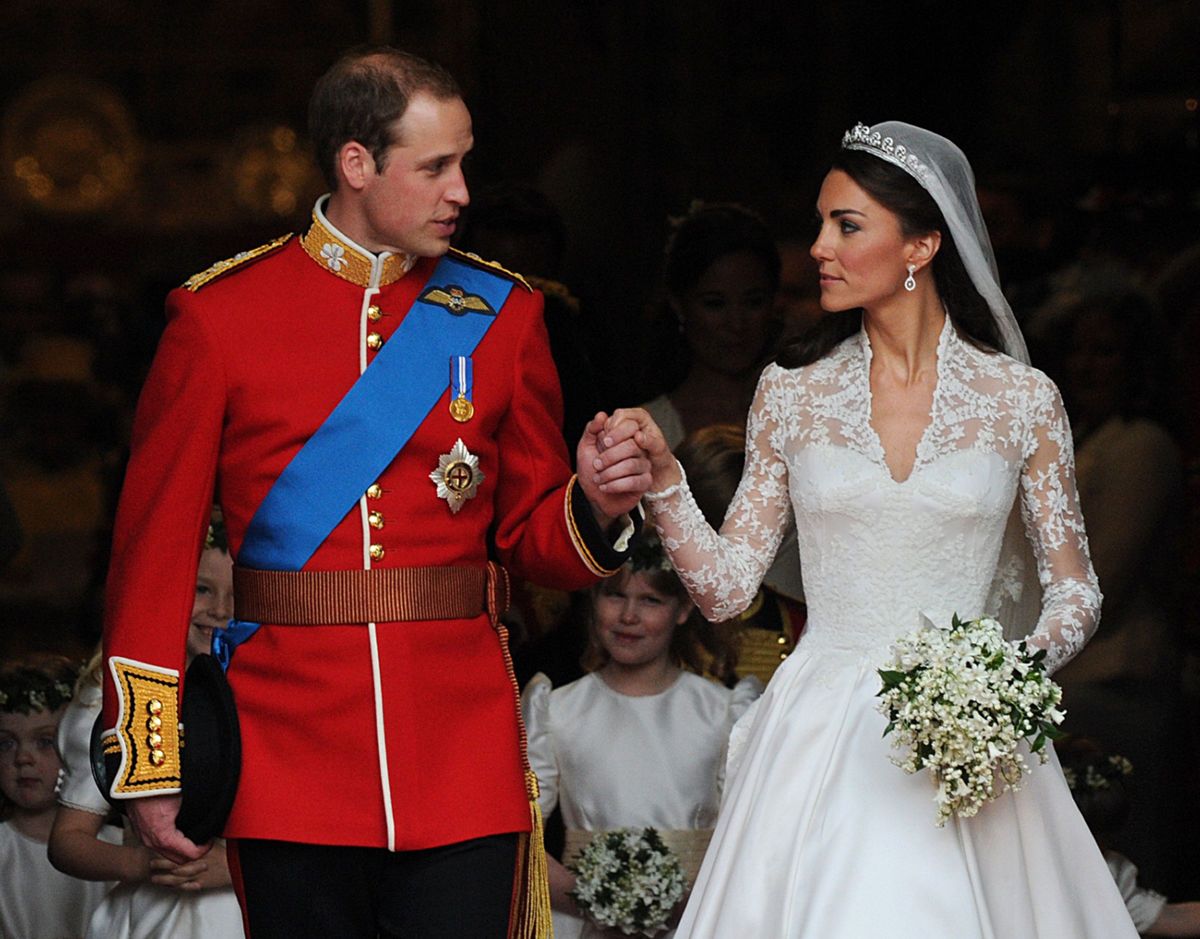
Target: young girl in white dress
[900,433]
[155,898]
[36,900]
[638,741]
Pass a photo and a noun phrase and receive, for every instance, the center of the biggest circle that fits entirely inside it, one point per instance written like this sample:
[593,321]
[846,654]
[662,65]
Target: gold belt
[382,595]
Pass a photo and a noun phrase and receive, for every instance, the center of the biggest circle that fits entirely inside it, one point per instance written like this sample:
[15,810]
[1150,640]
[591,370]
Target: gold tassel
[529,917]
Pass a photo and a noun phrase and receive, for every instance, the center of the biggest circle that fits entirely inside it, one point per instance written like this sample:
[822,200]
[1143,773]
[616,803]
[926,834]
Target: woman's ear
[924,248]
[685,610]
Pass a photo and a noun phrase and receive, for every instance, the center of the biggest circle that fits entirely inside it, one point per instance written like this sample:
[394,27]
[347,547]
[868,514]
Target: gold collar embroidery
[349,261]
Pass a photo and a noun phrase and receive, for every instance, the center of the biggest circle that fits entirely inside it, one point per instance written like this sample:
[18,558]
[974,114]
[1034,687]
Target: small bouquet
[962,698]
[628,879]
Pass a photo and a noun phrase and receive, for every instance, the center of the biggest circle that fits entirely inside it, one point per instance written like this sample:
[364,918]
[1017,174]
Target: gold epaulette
[477,261]
[221,268]
[147,728]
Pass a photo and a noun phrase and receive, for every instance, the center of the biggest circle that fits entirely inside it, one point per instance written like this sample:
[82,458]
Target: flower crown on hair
[1098,775]
[861,138]
[648,555]
[28,691]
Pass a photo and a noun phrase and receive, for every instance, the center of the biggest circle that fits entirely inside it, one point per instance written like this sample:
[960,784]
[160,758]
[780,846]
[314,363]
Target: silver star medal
[458,476]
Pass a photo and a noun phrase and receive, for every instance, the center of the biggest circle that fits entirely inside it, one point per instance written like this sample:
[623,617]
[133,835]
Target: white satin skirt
[821,836]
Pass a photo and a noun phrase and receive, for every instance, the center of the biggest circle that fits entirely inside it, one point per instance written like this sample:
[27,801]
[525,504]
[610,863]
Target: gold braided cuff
[147,729]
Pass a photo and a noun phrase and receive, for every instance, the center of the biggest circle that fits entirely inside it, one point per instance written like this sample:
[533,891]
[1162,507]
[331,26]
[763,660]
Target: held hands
[634,426]
[153,819]
[208,873]
[614,475]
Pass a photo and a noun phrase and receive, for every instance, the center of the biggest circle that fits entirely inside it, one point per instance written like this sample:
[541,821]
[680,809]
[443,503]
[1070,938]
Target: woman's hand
[636,426]
[614,476]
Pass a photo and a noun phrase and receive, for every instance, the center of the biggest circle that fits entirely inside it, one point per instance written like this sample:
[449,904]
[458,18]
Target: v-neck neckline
[880,454]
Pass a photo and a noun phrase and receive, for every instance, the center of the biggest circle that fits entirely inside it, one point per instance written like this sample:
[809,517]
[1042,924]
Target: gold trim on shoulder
[147,728]
[475,259]
[338,256]
[221,268]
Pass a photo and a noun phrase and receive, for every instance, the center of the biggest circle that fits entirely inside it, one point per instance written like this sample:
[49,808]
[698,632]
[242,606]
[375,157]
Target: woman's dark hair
[913,206]
[707,233]
[710,231]
[1146,380]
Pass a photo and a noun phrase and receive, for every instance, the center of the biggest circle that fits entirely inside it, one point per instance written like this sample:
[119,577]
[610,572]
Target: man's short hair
[362,96]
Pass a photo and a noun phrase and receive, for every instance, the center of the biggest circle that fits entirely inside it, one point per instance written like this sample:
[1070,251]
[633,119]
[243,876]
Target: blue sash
[369,427]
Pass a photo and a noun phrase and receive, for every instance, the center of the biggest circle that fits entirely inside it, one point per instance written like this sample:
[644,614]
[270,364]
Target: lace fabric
[877,552]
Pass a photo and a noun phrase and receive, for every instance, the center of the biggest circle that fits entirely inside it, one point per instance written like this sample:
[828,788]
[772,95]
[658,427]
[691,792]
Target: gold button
[154,740]
[377,552]
[375,519]
[374,492]
[782,656]
[374,314]
[782,640]
[154,706]
[158,757]
[154,724]
[374,341]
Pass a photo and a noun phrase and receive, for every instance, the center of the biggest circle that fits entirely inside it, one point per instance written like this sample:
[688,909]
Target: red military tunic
[401,735]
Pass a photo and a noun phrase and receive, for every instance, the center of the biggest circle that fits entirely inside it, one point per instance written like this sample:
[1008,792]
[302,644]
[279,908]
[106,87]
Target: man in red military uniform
[383,786]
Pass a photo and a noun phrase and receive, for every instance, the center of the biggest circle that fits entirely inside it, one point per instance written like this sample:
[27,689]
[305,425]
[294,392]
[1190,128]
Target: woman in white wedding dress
[901,439]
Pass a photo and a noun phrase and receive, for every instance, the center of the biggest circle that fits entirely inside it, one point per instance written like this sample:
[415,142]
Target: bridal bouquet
[628,879]
[962,698]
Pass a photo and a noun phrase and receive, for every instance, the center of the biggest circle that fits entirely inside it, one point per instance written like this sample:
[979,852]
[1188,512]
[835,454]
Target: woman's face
[213,606]
[634,622]
[29,764]
[1095,367]
[860,251]
[727,314]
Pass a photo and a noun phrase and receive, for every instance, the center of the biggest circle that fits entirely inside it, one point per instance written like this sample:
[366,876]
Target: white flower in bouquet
[962,698]
[628,879]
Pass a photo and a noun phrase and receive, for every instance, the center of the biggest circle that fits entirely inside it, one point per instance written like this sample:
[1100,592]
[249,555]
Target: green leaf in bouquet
[891,678]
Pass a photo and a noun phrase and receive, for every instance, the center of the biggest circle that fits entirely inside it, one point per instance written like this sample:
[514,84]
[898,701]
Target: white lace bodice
[877,553]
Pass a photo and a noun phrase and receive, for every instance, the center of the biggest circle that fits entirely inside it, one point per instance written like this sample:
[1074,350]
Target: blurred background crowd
[653,168]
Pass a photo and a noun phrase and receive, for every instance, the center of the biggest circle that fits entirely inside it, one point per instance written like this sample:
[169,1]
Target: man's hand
[635,426]
[209,873]
[614,476]
[153,819]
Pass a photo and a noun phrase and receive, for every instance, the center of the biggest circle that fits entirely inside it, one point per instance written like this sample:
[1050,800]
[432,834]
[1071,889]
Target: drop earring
[910,283]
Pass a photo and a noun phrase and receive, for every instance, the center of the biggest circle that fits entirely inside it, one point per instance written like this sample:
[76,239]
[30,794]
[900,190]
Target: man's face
[412,205]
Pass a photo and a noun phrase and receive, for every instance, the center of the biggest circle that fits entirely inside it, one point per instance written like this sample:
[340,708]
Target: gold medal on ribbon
[462,410]
[462,386]
[458,476]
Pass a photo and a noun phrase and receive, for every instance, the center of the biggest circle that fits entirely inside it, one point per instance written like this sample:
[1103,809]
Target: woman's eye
[848,227]
[46,743]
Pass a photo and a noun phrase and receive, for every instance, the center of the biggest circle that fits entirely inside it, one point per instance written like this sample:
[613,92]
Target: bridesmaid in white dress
[639,741]
[900,434]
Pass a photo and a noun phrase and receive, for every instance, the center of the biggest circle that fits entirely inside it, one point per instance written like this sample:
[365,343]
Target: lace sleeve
[722,572]
[1050,509]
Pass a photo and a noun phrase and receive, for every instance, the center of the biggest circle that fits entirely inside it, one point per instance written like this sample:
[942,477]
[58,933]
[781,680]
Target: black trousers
[294,891]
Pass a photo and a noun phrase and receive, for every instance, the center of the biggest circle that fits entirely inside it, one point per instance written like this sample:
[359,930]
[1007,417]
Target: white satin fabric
[820,836]
[609,760]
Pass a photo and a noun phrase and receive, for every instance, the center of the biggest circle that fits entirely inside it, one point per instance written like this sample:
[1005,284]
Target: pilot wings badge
[458,476]
[457,300]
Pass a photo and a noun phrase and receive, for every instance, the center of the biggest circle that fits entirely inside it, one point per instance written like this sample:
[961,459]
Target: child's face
[634,621]
[213,605]
[29,764]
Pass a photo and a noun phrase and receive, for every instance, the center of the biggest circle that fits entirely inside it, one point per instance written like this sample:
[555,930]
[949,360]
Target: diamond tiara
[861,138]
